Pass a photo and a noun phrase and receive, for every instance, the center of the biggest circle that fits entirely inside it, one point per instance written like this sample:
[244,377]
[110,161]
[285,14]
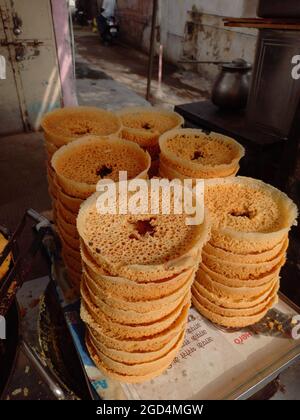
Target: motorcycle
[80,17]
[108,28]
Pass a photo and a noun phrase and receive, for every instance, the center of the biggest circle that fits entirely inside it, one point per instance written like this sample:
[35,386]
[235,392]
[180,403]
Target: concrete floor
[23,185]
[23,176]
[95,88]
[289,384]
[128,67]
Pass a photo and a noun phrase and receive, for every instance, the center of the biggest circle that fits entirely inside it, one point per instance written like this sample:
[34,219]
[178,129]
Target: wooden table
[263,154]
[263,23]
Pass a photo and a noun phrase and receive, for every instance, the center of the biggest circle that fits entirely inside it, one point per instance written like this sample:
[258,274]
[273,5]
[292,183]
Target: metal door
[10,112]
[33,83]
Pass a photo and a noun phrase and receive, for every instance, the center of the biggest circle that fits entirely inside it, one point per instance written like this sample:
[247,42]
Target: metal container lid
[237,64]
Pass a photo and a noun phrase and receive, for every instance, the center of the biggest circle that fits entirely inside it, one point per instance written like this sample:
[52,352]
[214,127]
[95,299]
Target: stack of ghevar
[62,126]
[78,167]
[238,279]
[192,154]
[145,125]
[136,287]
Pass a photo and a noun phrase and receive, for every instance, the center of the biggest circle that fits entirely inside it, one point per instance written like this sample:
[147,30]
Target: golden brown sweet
[118,376]
[144,126]
[133,357]
[80,165]
[133,331]
[132,290]
[238,278]
[233,321]
[250,215]
[136,286]
[194,154]
[64,125]
[141,247]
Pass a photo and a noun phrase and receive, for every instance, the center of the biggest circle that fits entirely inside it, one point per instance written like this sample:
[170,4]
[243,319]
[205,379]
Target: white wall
[212,40]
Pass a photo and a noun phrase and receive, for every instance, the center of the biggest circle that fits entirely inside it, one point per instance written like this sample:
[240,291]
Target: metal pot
[231,88]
